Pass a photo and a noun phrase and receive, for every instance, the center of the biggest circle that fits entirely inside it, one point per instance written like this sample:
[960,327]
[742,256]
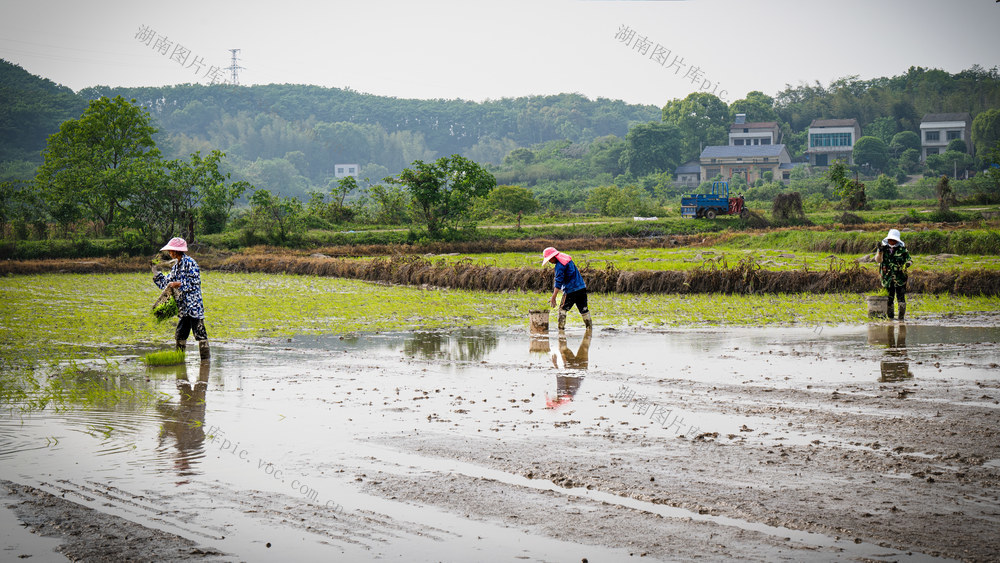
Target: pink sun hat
[562,257]
[177,244]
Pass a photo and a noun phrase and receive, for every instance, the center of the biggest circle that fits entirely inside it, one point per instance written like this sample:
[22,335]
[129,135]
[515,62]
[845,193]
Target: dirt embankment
[744,277]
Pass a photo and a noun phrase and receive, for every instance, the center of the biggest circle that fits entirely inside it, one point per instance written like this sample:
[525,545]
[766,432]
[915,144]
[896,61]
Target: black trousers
[897,292]
[578,298]
[188,324]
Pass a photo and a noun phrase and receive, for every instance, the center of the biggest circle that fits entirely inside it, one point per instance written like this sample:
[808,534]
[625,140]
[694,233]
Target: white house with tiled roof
[939,129]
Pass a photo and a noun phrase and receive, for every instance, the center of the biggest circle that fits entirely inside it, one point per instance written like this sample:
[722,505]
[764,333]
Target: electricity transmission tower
[235,68]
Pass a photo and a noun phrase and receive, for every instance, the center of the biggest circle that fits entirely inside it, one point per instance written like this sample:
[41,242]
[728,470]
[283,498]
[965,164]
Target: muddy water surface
[874,442]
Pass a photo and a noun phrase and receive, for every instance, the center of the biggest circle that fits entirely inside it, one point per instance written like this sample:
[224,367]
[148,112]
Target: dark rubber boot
[902,310]
[181,345]
[203,349]
[562,319]
[587,322]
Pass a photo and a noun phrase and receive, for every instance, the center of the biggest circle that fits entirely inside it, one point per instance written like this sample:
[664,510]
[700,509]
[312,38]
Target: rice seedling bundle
[165,306]
[164,358]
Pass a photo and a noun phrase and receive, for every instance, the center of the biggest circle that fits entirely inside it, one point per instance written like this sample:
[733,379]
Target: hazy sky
[476,50]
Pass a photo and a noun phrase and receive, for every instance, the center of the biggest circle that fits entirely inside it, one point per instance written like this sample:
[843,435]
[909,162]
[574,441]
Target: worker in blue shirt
[570,282]
[185,277]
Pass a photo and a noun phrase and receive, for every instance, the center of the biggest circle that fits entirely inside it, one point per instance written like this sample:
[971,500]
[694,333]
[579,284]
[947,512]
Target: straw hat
[176,244]
[548,253]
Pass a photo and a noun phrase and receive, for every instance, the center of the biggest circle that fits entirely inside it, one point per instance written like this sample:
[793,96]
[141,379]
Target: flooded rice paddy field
[865,442]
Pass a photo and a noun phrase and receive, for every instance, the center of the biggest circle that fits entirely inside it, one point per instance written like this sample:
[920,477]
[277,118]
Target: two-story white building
[832,139]
[939,129]
[753,133]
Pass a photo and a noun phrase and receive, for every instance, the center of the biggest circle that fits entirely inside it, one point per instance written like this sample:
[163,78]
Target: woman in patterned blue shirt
[570,282]
[185,277]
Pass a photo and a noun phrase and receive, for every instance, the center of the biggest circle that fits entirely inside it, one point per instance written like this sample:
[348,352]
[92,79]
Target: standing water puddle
[278,431]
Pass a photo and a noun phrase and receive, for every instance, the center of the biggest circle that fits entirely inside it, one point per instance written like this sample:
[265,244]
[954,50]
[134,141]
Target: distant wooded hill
[287,138]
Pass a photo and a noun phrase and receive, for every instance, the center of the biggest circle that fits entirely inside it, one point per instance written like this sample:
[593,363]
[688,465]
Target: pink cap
[177,243]
[548,253]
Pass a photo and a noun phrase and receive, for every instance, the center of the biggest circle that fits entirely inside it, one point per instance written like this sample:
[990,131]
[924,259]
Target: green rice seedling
[164,358]
[115,316]
[166,310]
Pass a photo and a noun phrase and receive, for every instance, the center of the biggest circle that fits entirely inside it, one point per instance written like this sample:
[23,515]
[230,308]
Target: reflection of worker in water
[891,253]
[570,282]
[185,421]
[581,358]
[894,367]
[568,385]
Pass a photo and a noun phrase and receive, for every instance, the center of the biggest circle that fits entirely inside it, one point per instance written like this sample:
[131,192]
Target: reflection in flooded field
[893,337]
[184,420]
[479,444]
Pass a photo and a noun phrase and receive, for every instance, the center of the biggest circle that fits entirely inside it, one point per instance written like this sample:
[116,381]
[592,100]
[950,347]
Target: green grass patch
[688,258]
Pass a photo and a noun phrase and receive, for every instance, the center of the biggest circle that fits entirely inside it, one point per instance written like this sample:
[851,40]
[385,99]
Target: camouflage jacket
[893,265]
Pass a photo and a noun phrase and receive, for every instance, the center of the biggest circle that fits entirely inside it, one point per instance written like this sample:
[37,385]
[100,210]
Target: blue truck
[709,206]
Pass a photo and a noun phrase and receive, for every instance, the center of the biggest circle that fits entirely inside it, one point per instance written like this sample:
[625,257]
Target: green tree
[512,199]
[909,161]
[957,145]
[19,203]
[989,180]
[342,189]
[520,156]
[904,140]
[196,181]
[756,105]
[702,119]
[950,163]
[92,161]
[885,187]
[442,191]
[986,130]
[884,128]
[280,218]
[217,203]
[871,151]
[851,192]
[605,154]
[598,198]
[388,204]
[651,148]
[628,201]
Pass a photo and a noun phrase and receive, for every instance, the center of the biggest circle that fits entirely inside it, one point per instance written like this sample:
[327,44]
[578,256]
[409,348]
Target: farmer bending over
[570,282]
[185,276]
[891,253]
